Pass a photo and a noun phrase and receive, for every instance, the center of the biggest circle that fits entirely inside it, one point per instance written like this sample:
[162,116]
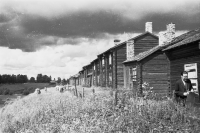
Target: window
[110,59]
[110,78]
[192,75]
[133,74]
[94,67]
[103,62]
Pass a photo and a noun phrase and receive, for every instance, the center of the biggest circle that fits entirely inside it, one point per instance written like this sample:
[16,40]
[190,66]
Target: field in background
[19,88]
[63,112]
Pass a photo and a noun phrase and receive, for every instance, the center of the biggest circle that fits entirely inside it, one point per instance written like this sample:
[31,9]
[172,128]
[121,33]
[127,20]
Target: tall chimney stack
[168,35]
[116,42]
[130,49]
[148,27]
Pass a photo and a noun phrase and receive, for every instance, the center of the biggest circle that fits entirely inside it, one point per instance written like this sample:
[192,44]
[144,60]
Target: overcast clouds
[58,37]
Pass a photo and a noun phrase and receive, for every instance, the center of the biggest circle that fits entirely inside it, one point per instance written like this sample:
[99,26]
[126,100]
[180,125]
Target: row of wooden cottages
[146,58]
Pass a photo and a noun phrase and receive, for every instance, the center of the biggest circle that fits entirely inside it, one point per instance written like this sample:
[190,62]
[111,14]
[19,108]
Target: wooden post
[83,94]
[93,91]
[140,80]
[76,93]
[115,100]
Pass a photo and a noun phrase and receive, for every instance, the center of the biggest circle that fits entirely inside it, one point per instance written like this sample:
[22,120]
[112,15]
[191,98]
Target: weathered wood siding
[145,43]
[128,81]
[121,57]
[98,73]
[155,71]
[114,63]
[180,56]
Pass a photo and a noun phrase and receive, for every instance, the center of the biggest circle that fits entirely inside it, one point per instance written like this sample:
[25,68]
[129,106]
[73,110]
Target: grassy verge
[20,88]
[62,112]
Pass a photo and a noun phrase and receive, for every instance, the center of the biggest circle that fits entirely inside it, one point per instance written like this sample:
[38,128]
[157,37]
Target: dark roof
[143,55]
[183,39]
[122,43]
[94,60]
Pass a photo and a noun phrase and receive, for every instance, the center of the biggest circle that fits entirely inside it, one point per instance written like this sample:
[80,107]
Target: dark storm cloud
[93,25]
[30,32]
[4,18]
[84,24]
[182,21]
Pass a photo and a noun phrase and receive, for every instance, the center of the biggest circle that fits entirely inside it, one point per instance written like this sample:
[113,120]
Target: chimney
[130,49]
[148,27]
[116,42]
[168,35]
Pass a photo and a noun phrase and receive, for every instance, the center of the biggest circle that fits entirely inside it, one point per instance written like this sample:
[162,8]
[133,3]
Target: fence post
[83,93]
[115,96]
[93,91]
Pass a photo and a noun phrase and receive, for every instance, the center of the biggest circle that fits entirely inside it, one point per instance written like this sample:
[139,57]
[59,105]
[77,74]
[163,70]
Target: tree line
[12,79]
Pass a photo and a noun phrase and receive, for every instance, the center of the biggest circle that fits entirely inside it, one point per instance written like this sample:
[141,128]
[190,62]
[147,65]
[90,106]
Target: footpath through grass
[62,112]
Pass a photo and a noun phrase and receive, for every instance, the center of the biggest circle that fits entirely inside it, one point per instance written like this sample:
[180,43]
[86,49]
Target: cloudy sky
[59,37]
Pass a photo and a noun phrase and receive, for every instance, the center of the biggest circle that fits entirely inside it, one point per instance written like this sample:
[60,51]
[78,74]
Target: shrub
[10,93]
[1,91]
[25,92]
[6,91]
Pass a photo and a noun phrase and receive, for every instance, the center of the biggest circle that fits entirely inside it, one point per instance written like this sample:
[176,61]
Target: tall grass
[97,113]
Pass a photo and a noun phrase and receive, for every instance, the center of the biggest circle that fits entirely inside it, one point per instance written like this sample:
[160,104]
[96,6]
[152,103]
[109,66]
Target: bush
[6,91]
[25,92]
[1,91]
[10,93]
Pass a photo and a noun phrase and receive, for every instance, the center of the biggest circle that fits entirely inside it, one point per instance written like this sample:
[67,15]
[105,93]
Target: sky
[59,37]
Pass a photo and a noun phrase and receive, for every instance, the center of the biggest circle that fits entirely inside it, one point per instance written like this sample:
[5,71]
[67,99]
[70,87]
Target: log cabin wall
[81,78]
[128,81]
[94,72]
[141,43]
[114,65]
[103,62]
[144,43]
[110,70]
[106,69]
[98,72]
[120,58]
[179,56]
[155,71]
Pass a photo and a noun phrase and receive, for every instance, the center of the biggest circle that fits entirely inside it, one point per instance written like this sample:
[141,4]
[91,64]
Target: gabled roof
[94,60]
[144,54]
[122,43]
[183,39]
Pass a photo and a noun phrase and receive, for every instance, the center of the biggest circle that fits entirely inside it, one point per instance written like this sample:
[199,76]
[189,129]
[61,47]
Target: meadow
[97,113]
[19,89]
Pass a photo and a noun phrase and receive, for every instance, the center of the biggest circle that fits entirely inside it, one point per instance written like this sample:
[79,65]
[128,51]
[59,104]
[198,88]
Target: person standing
[182,88]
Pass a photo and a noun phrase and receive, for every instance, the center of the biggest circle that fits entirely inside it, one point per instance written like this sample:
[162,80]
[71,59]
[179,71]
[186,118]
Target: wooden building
[81,77]
[184,54]
[105,69]
[95,72]
[87,70]
[152,67]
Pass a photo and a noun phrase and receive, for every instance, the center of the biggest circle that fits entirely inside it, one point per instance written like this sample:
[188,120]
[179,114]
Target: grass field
[18,88]
[15,87]
[55,112]
[3,98]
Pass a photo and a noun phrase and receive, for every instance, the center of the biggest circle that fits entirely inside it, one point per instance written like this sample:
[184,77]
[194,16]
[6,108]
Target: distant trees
[59,80]
[43,78]
[12,79]
[32,80]
[64,81]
